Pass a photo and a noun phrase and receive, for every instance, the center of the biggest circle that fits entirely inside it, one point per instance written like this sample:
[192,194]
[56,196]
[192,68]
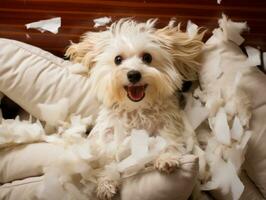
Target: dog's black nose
[134,76]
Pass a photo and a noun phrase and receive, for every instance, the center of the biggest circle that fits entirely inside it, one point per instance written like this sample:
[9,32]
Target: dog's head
[136,64]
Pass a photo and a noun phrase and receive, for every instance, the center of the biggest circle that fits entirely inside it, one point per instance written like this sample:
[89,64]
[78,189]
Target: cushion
[31,76]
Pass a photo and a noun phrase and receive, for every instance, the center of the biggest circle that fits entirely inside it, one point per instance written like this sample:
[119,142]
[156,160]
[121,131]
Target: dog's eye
[118,60]
[147,58]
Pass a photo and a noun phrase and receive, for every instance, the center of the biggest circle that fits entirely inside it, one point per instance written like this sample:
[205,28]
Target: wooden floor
[77,16]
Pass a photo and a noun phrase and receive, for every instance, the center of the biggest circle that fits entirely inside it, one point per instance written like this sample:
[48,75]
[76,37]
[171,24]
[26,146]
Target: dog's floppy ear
[91,44]
[185,49]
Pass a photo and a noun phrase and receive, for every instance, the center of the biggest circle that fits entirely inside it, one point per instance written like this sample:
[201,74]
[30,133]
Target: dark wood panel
[77,17]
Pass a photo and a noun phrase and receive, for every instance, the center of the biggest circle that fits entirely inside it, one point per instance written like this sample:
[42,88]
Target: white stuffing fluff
[224,142]
[60,176]
[194,108]
[231,30]
[75,162]
[102,21]
[18,132]
[237,130]
[144,149]
[81,155]
[54,113]
[221,128]
[192,29]
[224,176]
[253,55]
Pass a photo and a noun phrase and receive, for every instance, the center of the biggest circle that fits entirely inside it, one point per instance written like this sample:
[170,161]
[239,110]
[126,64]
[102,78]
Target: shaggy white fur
[135,70]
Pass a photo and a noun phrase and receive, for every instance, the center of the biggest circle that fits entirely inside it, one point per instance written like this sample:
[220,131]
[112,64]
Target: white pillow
[30,76]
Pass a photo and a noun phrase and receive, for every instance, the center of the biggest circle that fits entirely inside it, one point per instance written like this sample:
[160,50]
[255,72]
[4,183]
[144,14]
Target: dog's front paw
[107,189]
[167,163]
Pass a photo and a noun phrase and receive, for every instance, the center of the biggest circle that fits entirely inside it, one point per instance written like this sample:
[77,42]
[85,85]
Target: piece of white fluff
[232,30]
[102,21]
[224,176]
[54,113]
[52,25]
[253,56]
[15,131]
[195,111]
[202,162]
[221,128]
[192,29]
[143,149]
[237,130]
[172,22]
[76,128]
[51,187]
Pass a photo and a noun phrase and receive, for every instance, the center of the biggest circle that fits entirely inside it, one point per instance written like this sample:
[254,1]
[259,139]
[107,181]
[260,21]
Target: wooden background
[77,17]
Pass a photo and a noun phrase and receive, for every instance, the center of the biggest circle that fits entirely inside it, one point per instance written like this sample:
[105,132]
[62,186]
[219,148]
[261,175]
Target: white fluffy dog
[135,71]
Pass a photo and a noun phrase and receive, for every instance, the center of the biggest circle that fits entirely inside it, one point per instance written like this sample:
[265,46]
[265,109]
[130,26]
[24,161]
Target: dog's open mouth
[136,92]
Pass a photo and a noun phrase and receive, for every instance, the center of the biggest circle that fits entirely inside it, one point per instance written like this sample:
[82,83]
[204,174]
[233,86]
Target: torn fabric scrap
[54,113]
[101,21]
[253,56]
[52,25]
[143,150]
[192,29]
[224,177]
[15,131]
[232,30]
[221,128]
[195,111]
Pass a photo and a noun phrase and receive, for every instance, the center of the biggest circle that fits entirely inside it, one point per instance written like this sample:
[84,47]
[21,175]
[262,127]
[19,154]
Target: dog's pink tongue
[136,93]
